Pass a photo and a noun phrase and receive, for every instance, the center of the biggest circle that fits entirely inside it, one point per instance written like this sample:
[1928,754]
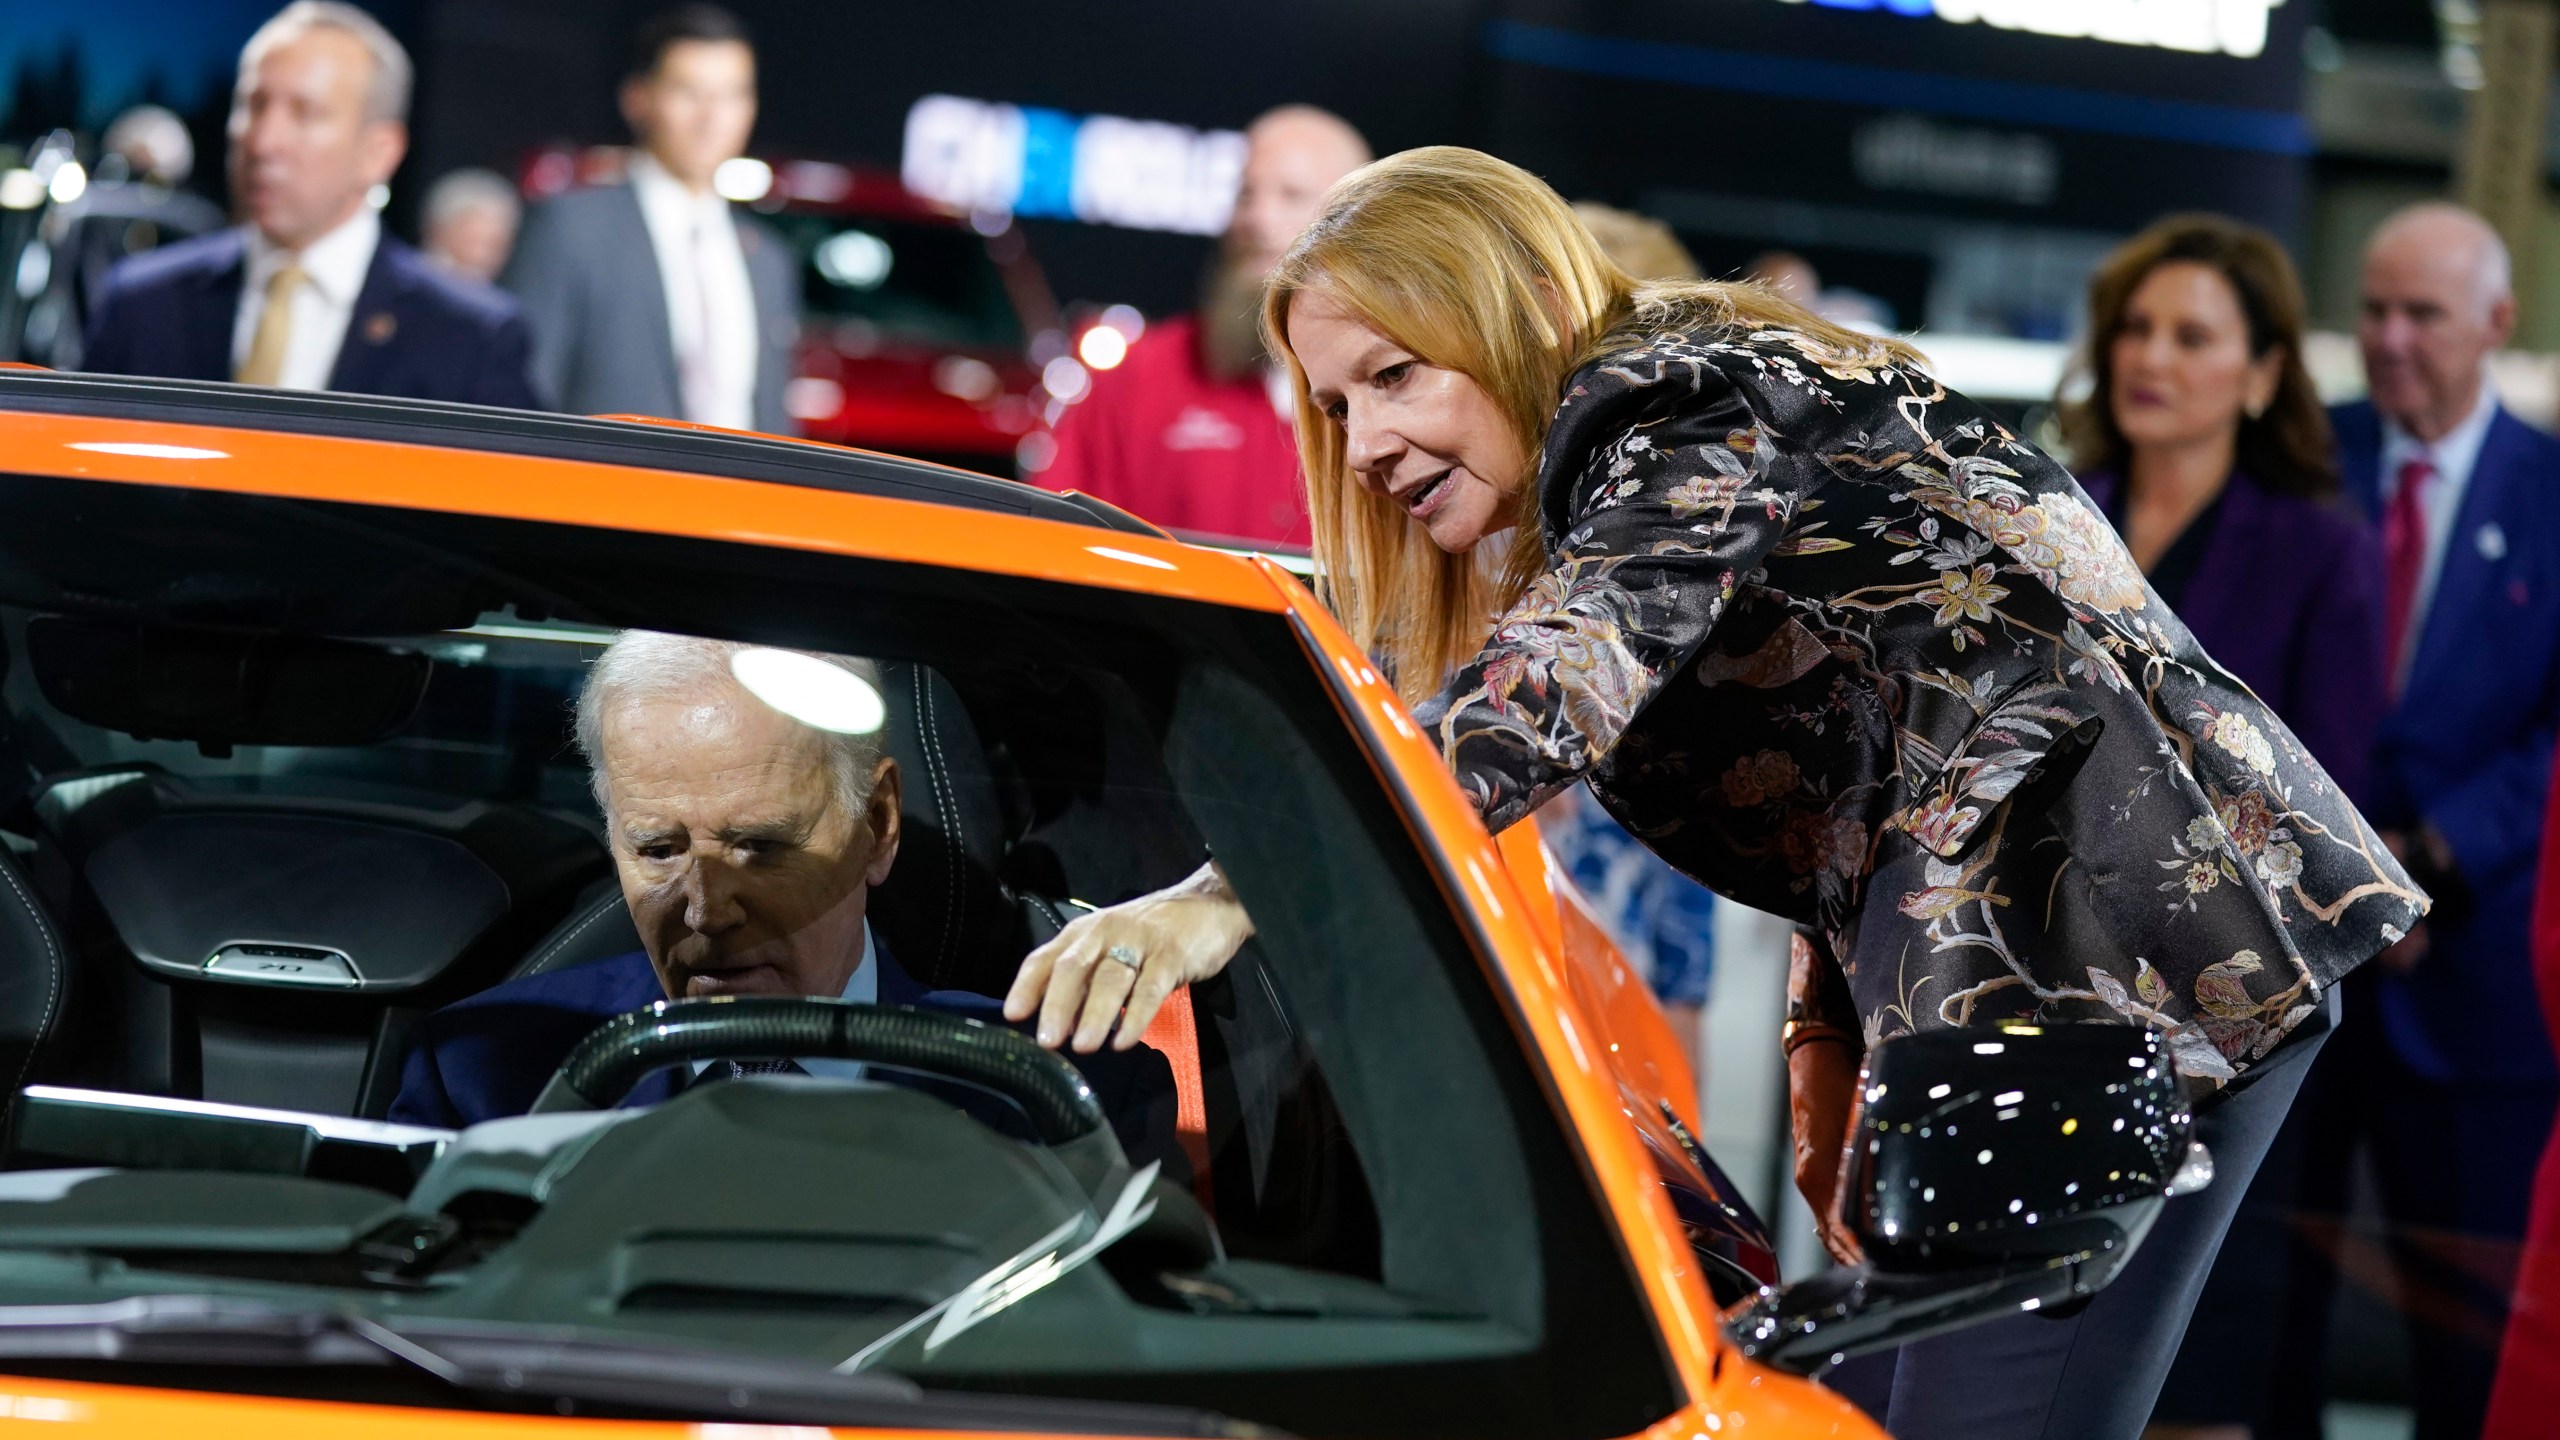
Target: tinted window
[1339,1204]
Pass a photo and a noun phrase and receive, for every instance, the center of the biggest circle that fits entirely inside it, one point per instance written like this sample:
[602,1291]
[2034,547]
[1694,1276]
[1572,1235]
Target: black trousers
[2094,1375]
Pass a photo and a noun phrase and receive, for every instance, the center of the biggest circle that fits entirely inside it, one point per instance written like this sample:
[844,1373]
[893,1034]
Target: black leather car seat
[35,980]
[368,913]
[943,912]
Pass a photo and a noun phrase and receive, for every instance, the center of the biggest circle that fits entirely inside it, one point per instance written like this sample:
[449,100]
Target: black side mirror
[1995,1170]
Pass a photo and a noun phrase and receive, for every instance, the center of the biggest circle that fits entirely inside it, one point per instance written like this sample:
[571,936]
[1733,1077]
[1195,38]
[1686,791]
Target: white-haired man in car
[748,842]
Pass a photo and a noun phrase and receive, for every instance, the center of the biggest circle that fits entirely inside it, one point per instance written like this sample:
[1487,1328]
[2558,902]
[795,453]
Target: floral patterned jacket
[1839,645]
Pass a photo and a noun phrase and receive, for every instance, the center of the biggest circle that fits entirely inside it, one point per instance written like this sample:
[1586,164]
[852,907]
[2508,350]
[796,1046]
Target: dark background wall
[1741,120]
[838,78]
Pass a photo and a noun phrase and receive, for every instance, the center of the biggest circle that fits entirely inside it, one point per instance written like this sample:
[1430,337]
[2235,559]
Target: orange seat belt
[1175,1034]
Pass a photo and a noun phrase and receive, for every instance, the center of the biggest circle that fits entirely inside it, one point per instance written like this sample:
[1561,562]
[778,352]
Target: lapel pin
[380,326]
[2492,541]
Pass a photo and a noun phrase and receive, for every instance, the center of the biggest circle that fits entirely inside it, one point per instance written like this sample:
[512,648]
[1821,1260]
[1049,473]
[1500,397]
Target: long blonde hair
[1471,264]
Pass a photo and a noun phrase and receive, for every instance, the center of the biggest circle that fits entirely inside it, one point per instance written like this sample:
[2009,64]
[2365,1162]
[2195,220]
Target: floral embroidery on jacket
[1832,640]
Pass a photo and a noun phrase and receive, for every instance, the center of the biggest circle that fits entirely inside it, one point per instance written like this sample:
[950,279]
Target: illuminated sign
[2204,27]
[1020,160]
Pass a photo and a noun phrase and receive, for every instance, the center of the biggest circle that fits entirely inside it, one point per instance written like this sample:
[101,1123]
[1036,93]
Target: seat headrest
[942,912]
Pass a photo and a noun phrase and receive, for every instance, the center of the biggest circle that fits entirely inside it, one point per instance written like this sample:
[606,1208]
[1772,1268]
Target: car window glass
[1329,1195]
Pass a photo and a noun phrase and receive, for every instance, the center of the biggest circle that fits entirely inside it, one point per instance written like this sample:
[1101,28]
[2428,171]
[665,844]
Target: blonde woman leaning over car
[1835,642]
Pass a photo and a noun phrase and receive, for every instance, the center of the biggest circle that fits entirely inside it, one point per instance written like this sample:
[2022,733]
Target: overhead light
[744,179]
[69,183]
[20,190]
[810,690]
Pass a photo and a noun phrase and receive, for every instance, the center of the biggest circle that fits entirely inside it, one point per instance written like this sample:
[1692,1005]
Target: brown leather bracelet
[1805,1032]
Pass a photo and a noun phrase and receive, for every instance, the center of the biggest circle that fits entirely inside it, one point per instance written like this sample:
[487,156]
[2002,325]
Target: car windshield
[911,280]
[301,793]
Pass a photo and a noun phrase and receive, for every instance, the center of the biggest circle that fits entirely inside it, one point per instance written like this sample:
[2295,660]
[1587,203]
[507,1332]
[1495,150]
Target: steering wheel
[617,1054]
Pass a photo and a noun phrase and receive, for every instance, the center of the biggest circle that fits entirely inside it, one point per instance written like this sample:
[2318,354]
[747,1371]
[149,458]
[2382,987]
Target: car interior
[258,822]
[295,983]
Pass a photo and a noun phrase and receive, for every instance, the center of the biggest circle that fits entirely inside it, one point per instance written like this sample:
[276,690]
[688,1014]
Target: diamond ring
[1125,956]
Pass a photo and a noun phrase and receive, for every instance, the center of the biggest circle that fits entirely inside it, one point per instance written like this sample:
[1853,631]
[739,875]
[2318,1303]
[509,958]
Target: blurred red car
[921,323]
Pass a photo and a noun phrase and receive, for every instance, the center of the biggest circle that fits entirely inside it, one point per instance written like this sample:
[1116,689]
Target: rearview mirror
[1994,1171]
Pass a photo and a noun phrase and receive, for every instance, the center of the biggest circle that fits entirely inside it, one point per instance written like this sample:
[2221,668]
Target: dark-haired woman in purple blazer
[2204,442]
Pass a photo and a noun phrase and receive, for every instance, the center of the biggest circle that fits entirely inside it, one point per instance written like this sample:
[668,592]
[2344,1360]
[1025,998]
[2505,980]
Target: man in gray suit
[657,296]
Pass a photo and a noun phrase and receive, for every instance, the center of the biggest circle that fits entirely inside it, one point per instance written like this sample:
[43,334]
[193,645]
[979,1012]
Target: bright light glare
[812,397]
[1131,557]
[1127,320]
[1065,379]
[809,690]
[965,377]
[20,190]
[854,259]
[146,451]
[1102,348]
[744,179]
[2200,27]
[69,183]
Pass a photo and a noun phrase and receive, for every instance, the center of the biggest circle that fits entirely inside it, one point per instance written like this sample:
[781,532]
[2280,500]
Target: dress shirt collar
[2452,455]
[335,264]
[668,202]
[863,985]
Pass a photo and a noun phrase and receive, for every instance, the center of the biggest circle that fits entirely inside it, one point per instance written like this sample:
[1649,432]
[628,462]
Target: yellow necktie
[264,364]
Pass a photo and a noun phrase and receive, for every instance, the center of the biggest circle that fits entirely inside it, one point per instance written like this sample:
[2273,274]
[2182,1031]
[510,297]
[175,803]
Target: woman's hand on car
[1121,962]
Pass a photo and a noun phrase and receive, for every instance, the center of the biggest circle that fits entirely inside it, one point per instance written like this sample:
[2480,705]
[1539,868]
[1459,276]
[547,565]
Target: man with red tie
[2442,1065]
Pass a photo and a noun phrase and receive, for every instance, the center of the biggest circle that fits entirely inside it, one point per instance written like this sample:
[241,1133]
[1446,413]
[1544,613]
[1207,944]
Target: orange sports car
[287,768]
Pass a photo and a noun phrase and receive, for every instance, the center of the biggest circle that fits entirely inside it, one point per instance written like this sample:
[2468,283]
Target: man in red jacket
[1191,431]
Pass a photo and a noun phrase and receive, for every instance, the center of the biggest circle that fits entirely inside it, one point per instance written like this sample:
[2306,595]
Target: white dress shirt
[2454,456]
[711,306]
[333,269]
[862,987]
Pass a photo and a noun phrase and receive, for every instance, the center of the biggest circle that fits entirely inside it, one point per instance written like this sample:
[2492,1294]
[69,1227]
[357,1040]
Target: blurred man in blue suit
[310,294]
[2442,1066]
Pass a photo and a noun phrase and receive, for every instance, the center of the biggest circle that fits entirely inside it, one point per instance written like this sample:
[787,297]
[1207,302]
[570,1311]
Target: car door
[1655,1081]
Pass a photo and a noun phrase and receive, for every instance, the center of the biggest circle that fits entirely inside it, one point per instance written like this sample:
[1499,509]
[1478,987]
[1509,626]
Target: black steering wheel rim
[617,1054]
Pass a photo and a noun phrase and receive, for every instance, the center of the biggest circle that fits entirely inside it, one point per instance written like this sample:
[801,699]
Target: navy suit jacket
[490,1055]
[2467,749]
[415,331]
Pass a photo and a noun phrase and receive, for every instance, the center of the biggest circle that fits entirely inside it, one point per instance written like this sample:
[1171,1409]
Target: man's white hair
[386,93]
[462,191]
[655,665]
[2492,269]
